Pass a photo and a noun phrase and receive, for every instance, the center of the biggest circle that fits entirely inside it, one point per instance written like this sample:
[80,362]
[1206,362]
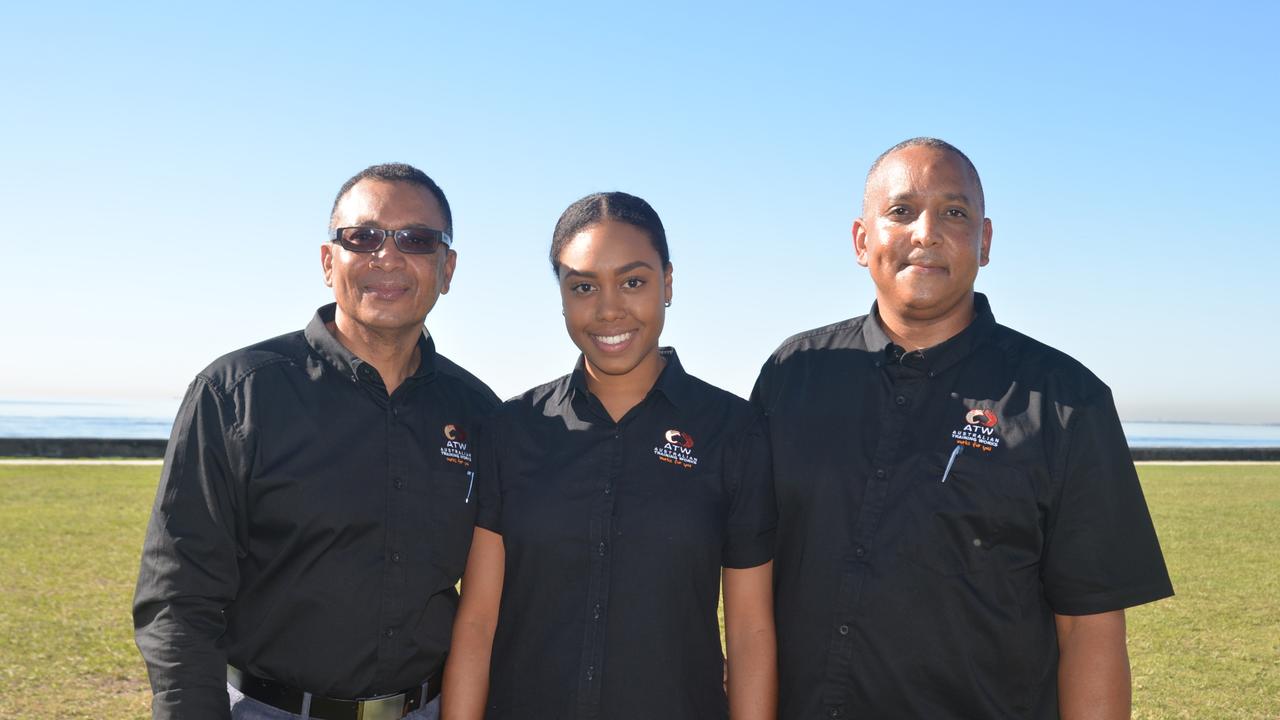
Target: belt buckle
[387,707]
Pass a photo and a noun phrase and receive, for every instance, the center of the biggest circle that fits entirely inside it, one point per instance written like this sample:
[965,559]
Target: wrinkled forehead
[920,169]
[401,204]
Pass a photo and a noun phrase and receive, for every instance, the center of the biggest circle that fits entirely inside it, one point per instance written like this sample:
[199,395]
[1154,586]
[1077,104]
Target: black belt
[298,702]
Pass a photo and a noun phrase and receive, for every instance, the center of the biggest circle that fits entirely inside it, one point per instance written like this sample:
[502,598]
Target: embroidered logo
[676,437]
[979,430]
[677,449]
[981,416]
[455,448]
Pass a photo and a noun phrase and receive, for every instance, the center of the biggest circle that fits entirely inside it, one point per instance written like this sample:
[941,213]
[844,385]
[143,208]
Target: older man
[960,524]
[314,513]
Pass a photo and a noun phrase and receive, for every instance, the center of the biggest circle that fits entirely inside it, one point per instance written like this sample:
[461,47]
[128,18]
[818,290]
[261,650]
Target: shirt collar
[348,363]
[941,356]
[672,382]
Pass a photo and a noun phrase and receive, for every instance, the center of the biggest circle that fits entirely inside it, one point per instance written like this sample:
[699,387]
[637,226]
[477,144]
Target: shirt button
[591,671]
[399,483]
[395,557]
[834,712]
[900,400]
[844,629]
[860,551]
[608,489]
[595,614]
[601,548]
[880,473]
[389,632]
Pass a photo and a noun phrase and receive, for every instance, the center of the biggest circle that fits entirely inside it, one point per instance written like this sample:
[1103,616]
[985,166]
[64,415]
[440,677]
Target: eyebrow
[949,197]
[624,269]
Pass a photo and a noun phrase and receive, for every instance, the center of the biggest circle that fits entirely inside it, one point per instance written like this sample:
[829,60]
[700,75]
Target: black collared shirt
[936,509]
[615,534]
[308,528]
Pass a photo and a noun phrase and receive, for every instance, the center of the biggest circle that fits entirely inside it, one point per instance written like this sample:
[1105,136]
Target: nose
[387,257]
[924,231]
[610,305]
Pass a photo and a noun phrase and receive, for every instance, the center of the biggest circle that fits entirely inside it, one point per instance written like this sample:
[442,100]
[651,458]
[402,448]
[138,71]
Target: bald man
[960,524]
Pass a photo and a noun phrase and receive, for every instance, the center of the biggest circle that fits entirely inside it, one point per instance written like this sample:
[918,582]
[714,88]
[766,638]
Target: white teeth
[613,339]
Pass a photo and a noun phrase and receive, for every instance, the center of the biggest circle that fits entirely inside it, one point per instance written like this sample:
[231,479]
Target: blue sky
[168,173]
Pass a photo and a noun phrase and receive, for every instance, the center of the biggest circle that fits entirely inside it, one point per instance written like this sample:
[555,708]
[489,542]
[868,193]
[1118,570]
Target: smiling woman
[613,503]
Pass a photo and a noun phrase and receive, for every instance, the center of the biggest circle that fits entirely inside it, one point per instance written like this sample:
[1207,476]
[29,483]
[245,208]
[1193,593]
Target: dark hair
[599,207]
[936,144]
[397,172]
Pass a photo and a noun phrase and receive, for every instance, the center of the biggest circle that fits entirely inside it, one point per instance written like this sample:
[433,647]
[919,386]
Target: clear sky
[168,172]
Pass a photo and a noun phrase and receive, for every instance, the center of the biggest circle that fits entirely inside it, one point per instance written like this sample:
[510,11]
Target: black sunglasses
[413,241]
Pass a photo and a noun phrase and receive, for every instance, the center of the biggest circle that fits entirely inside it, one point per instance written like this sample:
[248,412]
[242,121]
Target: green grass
[70,535]
[69,543]
[1212,650]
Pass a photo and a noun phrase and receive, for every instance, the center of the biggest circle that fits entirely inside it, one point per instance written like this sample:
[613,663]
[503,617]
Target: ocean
[125,419]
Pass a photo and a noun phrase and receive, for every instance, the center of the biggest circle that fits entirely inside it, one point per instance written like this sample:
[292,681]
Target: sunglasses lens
[361,239]
[418,241]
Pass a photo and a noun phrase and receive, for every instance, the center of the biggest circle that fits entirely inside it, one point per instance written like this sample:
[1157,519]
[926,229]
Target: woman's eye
[632,283]
[580,288]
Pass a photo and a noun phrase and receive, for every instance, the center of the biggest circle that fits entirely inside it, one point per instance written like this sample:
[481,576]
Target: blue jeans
[245,708]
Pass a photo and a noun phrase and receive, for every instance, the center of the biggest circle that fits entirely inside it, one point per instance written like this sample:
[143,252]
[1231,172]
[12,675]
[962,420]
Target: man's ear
[984,255]
[860,241]
[326,263]
[450,263]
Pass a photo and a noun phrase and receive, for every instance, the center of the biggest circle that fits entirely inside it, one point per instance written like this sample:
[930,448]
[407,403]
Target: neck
[620,393]
[393,354]
[913,331]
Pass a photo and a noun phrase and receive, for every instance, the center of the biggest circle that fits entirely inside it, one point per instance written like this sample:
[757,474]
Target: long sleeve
[189,570]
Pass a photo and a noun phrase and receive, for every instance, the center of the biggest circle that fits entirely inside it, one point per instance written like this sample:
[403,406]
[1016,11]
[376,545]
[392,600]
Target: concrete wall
[80,448]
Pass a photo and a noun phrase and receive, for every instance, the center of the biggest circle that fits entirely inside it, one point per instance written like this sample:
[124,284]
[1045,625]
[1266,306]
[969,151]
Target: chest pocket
[452,521]
[984,516]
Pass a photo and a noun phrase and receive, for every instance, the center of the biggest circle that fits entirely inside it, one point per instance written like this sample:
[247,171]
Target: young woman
[610,500]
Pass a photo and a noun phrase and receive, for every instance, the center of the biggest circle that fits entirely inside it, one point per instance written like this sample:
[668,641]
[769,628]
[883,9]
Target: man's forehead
[373,196]
[904,170]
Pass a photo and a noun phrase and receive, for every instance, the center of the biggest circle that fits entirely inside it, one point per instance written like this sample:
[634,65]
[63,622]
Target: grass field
[70,535]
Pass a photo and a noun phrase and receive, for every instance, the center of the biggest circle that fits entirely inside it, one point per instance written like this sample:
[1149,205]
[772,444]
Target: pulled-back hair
[601,207]
[398,172]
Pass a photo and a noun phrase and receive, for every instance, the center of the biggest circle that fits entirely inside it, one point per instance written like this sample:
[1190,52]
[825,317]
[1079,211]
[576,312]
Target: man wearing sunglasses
[314,513]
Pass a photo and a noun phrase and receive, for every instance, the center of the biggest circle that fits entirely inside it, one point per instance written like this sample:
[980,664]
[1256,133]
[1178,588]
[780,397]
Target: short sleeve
[488,482]
[753,511]
[1102,553]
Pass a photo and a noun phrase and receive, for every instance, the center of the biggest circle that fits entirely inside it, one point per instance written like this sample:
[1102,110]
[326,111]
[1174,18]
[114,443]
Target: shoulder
[843,335]
[537,397]
[454,374]
[229,372]
[708,395]
[1059,377]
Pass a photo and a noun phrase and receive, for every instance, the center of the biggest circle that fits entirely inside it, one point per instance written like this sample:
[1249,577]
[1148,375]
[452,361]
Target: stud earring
[668,304]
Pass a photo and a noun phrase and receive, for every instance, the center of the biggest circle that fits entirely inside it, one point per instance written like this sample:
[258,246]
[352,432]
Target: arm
[189,571]
[752,648]
[1093,667]
[466,673]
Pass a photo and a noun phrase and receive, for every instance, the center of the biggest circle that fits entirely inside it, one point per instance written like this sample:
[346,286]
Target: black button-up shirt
[308,528]
[936,508]
[615,534]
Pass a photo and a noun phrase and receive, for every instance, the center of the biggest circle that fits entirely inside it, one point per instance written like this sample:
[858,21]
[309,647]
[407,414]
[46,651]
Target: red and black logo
[981,416]
[680,438]
[454,433]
